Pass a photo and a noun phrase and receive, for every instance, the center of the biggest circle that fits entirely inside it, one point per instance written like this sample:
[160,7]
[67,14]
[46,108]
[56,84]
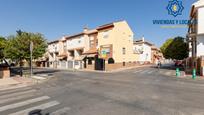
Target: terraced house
[196,38]
[106,47]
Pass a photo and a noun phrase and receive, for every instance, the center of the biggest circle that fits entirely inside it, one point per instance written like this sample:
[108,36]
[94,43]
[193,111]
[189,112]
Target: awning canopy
[91,51]
[80,58]
[91,55]
[62,56]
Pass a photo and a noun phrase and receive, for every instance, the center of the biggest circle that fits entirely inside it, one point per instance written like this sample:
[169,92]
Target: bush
[111,61]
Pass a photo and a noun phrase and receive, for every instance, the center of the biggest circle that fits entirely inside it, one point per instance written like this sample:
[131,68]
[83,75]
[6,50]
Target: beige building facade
[106,47]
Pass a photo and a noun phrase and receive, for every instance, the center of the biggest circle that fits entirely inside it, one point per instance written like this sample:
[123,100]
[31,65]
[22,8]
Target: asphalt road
[140,91]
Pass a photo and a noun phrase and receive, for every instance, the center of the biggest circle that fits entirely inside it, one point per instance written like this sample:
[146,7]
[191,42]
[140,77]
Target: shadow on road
[26,70]
[169,67]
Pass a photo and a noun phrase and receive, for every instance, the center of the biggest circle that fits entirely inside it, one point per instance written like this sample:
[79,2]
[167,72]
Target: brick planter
[4,72]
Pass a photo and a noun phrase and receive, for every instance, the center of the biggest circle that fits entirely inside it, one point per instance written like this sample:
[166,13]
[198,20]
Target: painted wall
[53,47]
[121,36]
[146,54]
[123,39]
[200,45]
[77,42]
[201,20]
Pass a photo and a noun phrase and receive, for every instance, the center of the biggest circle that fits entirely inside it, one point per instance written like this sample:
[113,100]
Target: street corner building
[195,37]
[148,52]
[106,47]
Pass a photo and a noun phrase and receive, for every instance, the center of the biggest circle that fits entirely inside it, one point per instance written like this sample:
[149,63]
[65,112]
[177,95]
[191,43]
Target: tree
[164,48]
[18,46]
[175,48]
[2,46]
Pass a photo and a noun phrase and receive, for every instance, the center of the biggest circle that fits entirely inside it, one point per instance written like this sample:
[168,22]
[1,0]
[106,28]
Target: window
[92,42]
[96,42]
[123,51]
[105,34]
[64,46]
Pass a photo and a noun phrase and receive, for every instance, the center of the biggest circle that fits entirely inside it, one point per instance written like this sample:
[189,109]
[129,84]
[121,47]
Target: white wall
[201,20]
[200,45]
[76,43]
[53,47]
[146,55]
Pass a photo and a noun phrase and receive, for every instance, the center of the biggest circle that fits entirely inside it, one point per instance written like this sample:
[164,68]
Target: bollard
[177,72]
[194,74]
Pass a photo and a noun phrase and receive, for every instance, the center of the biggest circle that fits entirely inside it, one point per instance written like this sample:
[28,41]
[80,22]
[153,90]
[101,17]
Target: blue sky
[55,18]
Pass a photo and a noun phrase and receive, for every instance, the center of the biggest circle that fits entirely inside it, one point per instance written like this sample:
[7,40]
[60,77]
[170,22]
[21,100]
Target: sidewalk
[15,82]
[98,71]
[8,81]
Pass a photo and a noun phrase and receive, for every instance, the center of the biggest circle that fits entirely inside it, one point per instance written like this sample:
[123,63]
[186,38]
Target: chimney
[86,28]
[143,39]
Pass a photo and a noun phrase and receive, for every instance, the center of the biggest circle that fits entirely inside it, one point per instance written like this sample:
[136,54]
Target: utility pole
[31,58]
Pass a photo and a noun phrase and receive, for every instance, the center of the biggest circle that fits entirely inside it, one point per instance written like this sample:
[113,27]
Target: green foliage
[175,48]
[2,46]
[18,46]
[164,48]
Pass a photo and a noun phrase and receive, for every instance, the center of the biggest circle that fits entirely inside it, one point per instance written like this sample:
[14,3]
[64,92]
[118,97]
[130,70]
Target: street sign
[103,54]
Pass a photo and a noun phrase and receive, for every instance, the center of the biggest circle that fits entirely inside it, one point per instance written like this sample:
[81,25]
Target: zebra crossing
[145,71]
[153,72]
[23,100]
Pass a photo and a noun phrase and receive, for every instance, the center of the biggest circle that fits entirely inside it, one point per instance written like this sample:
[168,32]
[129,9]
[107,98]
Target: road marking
[138,71]
[13,87]
[14,90]
[144,71]
[23,103]
[168,73]
[61,111]
[42,107]
[17,94]
[150,72]
[16,98]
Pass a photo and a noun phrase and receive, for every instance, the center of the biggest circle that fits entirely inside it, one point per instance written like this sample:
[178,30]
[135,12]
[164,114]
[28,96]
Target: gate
[99,64]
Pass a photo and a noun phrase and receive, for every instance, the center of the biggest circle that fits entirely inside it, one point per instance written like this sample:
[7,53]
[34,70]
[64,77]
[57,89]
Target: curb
[38,78]
[97,71]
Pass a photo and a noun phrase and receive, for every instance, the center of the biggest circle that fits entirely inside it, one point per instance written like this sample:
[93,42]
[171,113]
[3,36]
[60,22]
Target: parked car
[178,63]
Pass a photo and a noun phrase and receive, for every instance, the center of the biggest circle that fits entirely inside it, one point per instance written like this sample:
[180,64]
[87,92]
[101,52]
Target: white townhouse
[68,52]
[195,37]
[196,30]
[53,49]
[143,48]
[75,48]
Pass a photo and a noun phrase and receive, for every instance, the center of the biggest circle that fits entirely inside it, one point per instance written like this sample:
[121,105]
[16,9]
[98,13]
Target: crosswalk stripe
[137,71]
[144,71]
[43,106]
[150,72]
[168,73]
[23,103]
[13,87]
[15,98]
[17,94]
[60,111]
[14,90]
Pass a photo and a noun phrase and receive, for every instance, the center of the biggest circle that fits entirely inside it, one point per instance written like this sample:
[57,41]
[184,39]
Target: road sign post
[31,58]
